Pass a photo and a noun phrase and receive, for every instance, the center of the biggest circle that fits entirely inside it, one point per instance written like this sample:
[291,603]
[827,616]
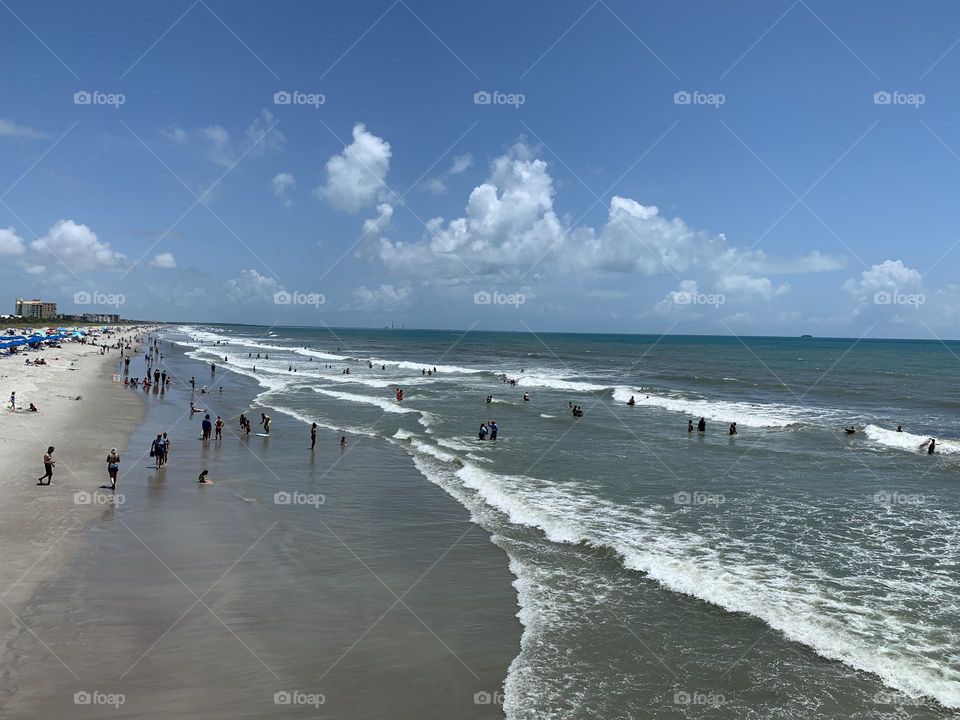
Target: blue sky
[785,197]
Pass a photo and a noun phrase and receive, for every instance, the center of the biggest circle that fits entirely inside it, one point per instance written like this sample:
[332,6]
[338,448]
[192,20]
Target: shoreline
[317,596]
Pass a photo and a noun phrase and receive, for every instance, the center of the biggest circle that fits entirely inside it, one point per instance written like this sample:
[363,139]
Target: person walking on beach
[156,451]
[218,428]
[113,465]
[13,400]
[313,436]
[48,463]
[206,426]
[166,449]
[265,421]
[244,423]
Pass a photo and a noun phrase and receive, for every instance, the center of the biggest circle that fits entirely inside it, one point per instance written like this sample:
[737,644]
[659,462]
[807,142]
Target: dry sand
[83,413]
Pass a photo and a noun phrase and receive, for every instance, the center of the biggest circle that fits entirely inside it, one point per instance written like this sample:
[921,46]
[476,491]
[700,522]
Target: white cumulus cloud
[355,177]
[77,247]
[282,183]
[164,260]
[250,286]
[10,242]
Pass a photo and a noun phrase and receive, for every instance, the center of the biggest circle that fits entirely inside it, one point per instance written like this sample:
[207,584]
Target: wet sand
[382,600]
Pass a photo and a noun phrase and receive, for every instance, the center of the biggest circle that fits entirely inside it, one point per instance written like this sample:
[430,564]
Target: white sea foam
[801,610]
[908,441]
[385,404]
[745,414]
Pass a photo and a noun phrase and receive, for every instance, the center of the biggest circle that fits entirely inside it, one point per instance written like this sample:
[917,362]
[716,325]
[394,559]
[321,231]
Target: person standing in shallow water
[265,421]
[313,436]
[702,425]
[113,466]
[48,463]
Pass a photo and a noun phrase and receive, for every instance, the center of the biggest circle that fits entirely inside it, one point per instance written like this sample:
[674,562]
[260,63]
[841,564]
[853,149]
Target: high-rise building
[35,309]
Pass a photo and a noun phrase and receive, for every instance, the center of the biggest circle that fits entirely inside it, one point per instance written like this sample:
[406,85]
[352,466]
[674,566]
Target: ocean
[790,570]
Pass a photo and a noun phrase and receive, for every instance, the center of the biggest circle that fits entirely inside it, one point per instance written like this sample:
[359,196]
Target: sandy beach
[81,412]
[214,601]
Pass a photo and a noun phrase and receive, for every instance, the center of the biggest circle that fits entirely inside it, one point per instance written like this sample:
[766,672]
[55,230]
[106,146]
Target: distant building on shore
[35,309]
[98,318]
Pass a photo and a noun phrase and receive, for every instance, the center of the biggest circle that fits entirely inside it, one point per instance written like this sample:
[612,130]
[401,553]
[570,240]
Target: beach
[220,601]
[81,412]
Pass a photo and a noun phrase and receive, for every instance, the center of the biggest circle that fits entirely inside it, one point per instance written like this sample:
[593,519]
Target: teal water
[790,570]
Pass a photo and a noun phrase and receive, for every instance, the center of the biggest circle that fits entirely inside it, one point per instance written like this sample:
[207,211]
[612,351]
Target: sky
[752,168]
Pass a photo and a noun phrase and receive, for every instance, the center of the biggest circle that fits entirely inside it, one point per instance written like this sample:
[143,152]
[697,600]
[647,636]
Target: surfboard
[263,434]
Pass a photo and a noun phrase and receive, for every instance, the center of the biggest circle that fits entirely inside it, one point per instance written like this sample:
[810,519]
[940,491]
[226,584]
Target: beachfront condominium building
[36,309]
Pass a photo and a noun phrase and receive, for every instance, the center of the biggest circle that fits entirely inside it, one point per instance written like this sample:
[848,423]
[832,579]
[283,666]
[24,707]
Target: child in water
[202,479]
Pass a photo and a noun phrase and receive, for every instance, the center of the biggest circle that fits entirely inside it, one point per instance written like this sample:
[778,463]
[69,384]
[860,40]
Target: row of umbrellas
[10,341]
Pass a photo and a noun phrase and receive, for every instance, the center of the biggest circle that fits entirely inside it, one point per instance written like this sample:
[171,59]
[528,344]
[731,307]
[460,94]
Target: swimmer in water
[343,441]
[702,425]
[899,428]
[733,428]
[526,397]
[631,401]
[930,445]
[689,426]
[850,430]
[483,432]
